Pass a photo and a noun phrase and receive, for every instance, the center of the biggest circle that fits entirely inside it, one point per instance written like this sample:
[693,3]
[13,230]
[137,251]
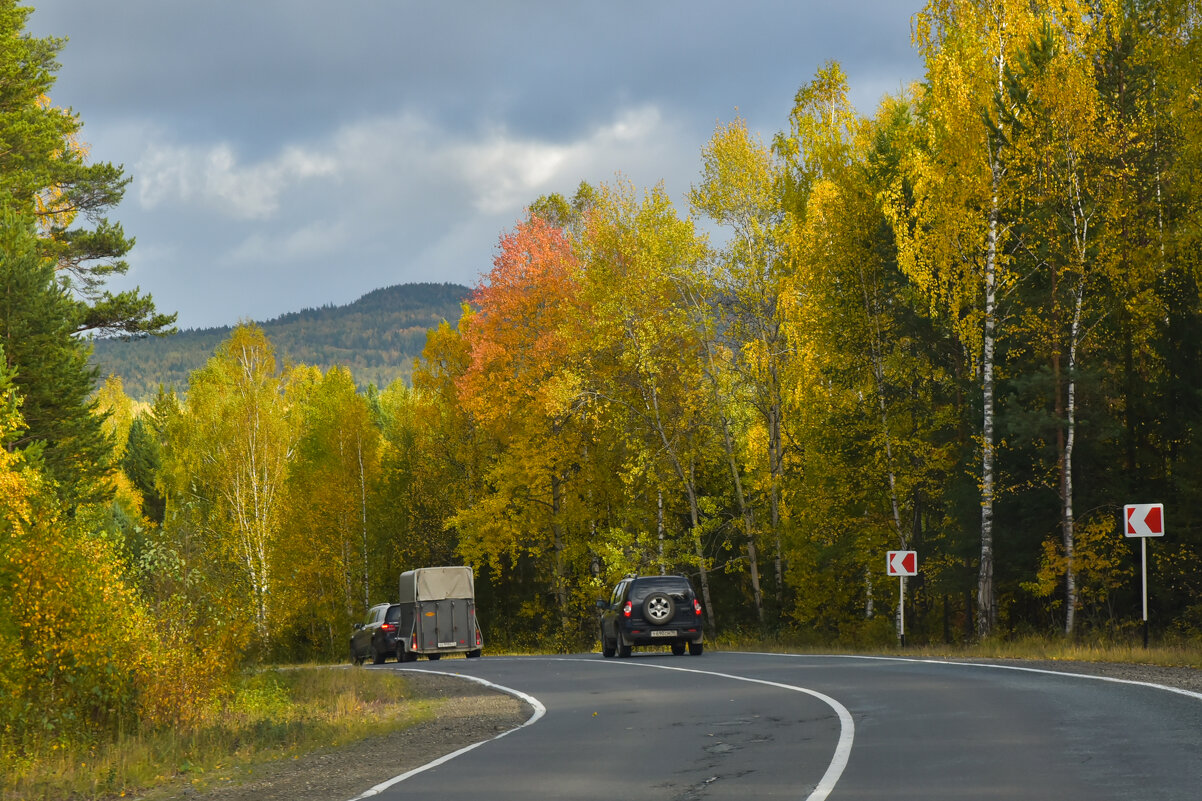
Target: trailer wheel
[433,657]
[474,654]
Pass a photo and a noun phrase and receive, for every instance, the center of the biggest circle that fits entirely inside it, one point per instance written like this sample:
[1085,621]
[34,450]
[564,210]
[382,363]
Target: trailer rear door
[446,624]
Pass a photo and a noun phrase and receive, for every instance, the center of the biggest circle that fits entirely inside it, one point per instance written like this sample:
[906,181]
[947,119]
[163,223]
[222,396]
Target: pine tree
[37,331]
[43,176]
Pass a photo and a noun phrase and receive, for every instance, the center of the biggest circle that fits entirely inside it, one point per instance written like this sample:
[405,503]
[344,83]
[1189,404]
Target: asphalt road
[766,726]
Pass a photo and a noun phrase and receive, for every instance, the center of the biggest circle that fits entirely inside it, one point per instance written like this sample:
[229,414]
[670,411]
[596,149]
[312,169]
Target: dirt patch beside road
[467,713]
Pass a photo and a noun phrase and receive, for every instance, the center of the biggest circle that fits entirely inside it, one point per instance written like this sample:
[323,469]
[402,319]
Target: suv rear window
[394,614]
[671,585]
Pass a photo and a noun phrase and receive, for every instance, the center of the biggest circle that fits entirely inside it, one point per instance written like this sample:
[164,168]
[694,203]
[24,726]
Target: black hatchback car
[378,637]
[651,610]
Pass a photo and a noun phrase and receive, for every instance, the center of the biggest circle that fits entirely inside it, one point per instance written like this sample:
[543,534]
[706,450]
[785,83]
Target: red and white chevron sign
[903,563]
[1143,519]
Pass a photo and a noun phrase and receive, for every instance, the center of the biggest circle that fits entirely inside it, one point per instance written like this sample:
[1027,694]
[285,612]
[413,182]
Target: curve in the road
[535,704]
[830,778]
[841,757]
[847,726]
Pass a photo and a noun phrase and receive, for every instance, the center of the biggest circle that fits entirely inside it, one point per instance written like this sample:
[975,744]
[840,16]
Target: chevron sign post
[1144,520]
[902,564]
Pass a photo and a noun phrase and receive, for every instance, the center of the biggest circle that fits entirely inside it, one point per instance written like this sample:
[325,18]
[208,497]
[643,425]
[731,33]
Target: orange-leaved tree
[522,392]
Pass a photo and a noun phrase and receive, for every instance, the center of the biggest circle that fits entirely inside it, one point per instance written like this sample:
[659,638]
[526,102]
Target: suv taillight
[626,607]
[388,627]
[696,607]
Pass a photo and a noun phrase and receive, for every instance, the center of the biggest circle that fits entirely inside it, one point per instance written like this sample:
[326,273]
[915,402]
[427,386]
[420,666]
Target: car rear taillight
[626,608]
[696,607]
[388,627]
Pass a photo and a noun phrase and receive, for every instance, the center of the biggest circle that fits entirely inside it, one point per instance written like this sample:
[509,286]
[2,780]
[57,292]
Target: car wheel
[695,648]
[677,648]
[623,648]
[658,608]
[433,657]
[376,657]
[608,647]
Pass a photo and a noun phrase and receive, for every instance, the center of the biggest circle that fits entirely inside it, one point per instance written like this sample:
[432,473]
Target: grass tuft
[271,715]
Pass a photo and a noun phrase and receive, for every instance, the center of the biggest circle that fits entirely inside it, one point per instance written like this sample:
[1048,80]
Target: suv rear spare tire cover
[658,608]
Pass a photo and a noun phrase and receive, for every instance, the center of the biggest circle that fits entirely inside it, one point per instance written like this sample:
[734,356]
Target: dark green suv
[651,610]
[378,637]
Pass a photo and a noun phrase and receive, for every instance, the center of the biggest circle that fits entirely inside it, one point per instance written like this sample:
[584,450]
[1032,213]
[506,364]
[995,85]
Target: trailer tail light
[413,641]
[696,607]
[626,609]
[479,638]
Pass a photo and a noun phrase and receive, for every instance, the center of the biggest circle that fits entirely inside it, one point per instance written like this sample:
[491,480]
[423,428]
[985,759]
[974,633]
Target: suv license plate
[663,633]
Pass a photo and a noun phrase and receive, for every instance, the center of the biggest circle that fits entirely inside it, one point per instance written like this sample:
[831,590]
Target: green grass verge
[1185,653]
[271,715]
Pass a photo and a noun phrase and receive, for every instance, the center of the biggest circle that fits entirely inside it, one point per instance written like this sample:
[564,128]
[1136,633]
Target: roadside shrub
[73,637]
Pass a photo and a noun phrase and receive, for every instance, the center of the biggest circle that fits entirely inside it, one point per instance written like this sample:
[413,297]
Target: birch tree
[238,435]
[643,352]
[1057,166]
[954,245]
[740,189]
[327,539]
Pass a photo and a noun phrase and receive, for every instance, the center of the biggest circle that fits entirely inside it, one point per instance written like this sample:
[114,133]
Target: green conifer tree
[52,374]
[43,175]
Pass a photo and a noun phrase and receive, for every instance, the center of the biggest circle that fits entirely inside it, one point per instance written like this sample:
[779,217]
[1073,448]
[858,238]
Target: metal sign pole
[901,580]
[1143,553]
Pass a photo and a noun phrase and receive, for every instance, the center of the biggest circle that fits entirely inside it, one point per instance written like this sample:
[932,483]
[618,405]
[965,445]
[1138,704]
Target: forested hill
[377,337]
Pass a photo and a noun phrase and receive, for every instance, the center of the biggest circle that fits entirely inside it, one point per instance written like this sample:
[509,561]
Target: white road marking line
[847,726]
[834,771]
[1094,676]
[539,711]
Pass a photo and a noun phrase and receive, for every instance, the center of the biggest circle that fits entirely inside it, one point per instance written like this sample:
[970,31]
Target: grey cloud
[314,152]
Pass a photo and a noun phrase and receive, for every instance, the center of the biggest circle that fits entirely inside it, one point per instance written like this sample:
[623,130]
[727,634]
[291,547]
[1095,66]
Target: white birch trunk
[986,602]
[986,596]
[1070,578]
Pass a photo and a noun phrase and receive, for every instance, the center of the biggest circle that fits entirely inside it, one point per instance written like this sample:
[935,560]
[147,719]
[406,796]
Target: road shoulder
[468,713]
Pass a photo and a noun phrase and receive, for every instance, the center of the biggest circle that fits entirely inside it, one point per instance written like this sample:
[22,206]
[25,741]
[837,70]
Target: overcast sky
[292,153]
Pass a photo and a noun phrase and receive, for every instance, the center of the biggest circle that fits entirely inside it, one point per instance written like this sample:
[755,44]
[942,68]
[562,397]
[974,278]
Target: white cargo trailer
[438,612]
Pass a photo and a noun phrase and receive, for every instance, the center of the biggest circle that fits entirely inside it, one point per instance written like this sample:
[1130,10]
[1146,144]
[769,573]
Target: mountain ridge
[377,337]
